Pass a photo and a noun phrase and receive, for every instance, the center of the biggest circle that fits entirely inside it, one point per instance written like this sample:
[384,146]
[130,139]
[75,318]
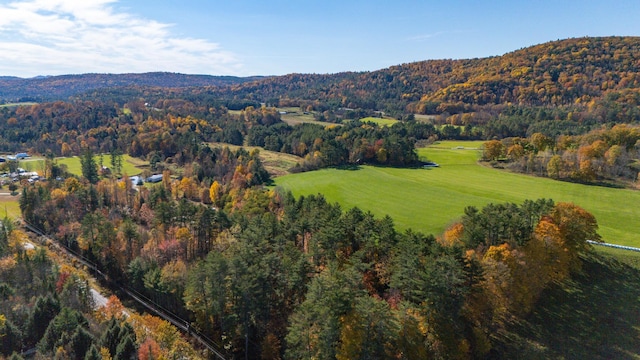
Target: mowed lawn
[129,164]
[429,200]
[379,121]
[9,205]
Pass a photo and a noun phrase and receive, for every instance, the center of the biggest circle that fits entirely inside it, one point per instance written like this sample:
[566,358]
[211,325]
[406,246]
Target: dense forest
[583,75]
[559,73]
[51,88]
[47,311]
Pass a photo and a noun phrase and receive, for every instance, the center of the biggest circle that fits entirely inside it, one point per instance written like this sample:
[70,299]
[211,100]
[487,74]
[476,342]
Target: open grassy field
[9,205]
[379,121]
[276,163]
[131,166]
[425,118]
[594,315]
[429,200]
[300,118]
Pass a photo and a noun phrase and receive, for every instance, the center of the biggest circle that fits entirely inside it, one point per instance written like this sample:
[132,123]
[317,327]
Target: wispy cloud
[49,37]
[424,37]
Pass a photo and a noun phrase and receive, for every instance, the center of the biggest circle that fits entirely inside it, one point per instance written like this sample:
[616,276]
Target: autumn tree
[576,226]
[493,150]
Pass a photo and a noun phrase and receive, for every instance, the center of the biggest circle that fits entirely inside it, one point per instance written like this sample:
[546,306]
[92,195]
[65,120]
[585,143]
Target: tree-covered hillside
[45,88]
[580,71]
[563,72]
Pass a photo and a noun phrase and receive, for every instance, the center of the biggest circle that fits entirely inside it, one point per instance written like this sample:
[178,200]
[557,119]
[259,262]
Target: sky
[277,37]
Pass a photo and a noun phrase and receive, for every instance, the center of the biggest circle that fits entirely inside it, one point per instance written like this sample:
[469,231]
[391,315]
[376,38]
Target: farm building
[136,180]
[154,178]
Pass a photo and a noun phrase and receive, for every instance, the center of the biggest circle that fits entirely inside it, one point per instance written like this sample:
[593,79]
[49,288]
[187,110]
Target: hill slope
[61,87]
[555,73]
[583,72]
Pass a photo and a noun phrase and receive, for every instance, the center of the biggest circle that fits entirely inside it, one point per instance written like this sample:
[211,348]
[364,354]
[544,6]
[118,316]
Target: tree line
[607,155]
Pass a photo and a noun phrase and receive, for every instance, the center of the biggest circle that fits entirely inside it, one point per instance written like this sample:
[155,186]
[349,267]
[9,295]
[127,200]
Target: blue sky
[261,37]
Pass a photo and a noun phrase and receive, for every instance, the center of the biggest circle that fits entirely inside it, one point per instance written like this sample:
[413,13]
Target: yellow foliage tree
[215,192]
[576,226]
[493,150]
[189,188]
[453,234]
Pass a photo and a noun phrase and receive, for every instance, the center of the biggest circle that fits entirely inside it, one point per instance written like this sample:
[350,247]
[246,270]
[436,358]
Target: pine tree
[89,167]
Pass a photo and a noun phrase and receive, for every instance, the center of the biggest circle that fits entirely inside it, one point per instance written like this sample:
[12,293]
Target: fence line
[621,247]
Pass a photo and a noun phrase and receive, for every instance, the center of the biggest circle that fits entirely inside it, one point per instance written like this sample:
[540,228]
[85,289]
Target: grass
[429,200]
[425,118]
[379,121]
[276,163]
[595,315]
[130,166]
[9,204]
[301,118]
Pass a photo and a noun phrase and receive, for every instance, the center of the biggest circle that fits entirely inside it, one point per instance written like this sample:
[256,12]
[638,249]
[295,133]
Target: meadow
[429,200]
[276,163]
[295,118]
[130,166]
[9,205]
[379,121]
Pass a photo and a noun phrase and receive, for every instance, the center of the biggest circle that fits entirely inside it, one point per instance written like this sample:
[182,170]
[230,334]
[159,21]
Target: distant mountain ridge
[43,88]
[556,73]
[570,72]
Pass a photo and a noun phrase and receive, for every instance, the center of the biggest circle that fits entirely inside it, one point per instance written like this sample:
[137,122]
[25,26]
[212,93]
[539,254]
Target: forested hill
[563,72]
[580,72]
[45,88]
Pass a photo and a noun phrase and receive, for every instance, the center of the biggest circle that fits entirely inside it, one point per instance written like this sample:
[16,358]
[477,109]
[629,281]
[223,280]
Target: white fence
[622,247]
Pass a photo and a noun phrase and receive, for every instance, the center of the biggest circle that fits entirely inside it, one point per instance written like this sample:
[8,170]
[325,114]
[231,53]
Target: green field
[429,200]
[592,316]
[9,205]
[131,166]
[276,163]
[379,121]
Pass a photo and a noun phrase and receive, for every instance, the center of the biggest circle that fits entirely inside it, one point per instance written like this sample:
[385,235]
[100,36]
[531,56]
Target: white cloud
[51,37]
[424,37]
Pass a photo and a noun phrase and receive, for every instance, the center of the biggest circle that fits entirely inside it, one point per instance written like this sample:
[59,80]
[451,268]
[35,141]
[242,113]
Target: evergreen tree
[45,310]
[93,353]
[81,342]
[89,166]
[126,349]
[10,338]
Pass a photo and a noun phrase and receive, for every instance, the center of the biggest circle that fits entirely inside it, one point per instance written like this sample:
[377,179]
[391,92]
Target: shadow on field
[594,316]
[351,167]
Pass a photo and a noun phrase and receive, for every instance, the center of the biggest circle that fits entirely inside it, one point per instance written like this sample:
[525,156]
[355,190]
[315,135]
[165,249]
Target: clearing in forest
[428,200]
